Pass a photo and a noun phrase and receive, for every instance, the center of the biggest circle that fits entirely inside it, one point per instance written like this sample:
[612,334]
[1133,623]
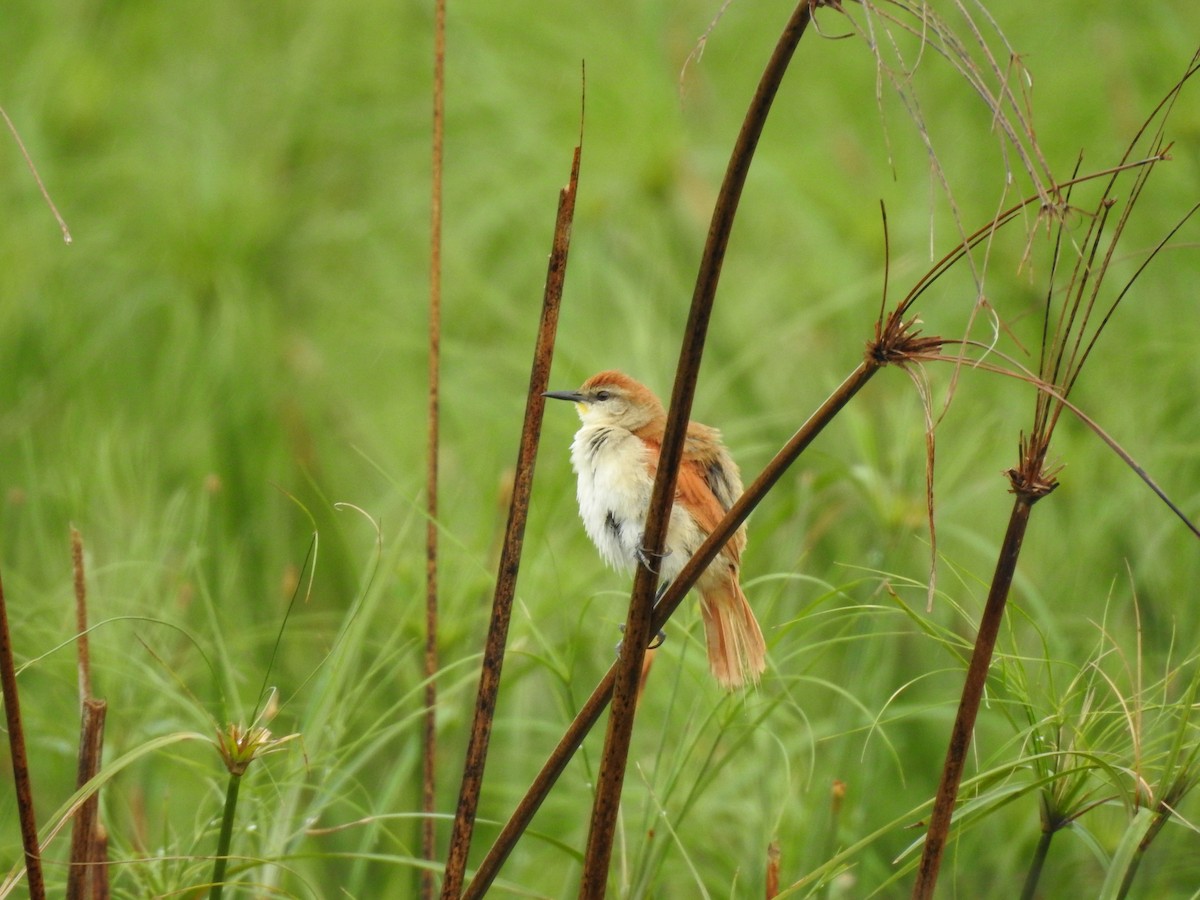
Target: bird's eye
[603,395]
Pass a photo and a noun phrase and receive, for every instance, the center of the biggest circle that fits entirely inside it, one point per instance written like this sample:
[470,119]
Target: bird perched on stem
[615,454]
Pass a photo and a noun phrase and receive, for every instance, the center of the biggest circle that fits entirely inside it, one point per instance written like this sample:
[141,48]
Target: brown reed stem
[83,654]
[628,670]
[510,555]
[589,713]
[87,876]
[774,854]
[429,750]
[87,861]
[20,762]
[1029,484]
[100,864]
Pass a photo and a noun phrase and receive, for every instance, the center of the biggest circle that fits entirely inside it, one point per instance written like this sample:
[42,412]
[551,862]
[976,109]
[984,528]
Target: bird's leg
[651,561]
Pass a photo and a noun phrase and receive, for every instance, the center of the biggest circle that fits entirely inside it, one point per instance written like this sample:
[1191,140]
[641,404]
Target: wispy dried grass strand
[991,79]
[62,225]
[1092,425]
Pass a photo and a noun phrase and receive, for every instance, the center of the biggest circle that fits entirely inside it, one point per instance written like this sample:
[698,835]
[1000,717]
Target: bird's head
[613,398]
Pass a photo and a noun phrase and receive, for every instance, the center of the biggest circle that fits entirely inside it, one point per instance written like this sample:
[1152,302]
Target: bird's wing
[709,471]
[708,482]
[692,490]
[704,448]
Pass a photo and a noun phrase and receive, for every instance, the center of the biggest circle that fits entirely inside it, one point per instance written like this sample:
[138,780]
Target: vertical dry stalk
[81,619]
[594,880]
[87,855]
[429,752]
[972,693]
[20,762]
[100,879]
[510,556]
[773,857]
[87,876]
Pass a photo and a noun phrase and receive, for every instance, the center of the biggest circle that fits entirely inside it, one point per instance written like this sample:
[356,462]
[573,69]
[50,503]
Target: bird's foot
[655,642]
[651,561]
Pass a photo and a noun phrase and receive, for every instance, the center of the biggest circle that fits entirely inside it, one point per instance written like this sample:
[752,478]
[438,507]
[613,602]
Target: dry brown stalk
[82,652]
[773,857]
[1030,483]
[611,778]
[20,761]
[429,730]
[87,876]
[510,557]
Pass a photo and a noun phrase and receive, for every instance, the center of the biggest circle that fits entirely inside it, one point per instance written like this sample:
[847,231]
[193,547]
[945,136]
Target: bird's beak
[573,396]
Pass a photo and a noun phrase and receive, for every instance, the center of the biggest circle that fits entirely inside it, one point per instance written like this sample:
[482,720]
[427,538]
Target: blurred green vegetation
[235,342]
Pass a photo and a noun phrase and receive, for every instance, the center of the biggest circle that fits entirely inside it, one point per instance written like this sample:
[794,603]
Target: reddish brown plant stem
[100,873]
[82,651]
[20,762]
[429,731]
[972,695]
[773,857]
[510,555]
[88,875]
[86,860]
[628,670]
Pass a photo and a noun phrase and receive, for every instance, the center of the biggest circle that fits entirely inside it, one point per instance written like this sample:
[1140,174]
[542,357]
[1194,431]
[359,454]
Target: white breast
[613,490]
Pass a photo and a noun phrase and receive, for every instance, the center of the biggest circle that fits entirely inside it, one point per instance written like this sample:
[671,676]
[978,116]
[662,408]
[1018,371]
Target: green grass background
[235,342]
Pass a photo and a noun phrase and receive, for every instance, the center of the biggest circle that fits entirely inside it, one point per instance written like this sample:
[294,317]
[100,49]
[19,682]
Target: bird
[615,456]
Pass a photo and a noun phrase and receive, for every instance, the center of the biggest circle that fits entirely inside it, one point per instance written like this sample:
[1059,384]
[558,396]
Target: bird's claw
[655,642]
[651,560]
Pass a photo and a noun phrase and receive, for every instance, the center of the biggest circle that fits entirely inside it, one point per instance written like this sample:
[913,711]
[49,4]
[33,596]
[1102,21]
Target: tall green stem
[1035,865]
[222,860]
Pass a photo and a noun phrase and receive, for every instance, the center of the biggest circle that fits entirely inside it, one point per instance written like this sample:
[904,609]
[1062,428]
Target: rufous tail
[737,653]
